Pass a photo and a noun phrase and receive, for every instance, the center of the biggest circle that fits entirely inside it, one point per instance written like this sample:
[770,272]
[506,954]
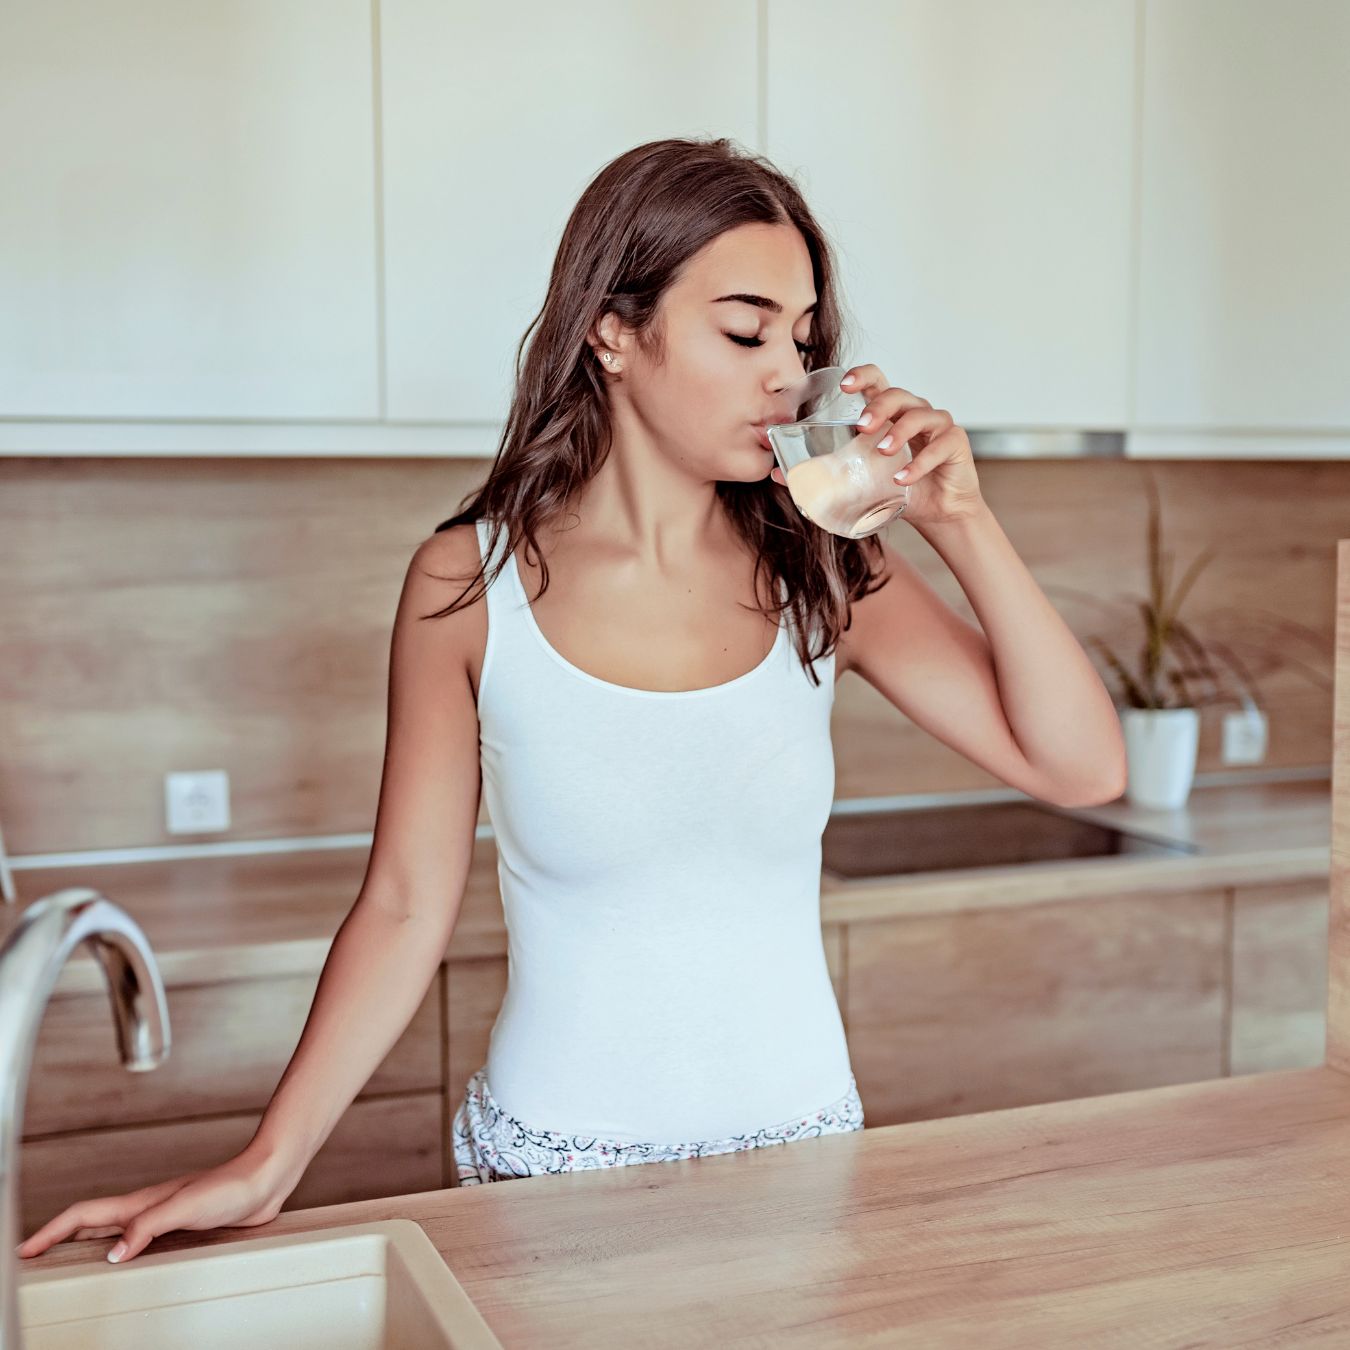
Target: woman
[635,659]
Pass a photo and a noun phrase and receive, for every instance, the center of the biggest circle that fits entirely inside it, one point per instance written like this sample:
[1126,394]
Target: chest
[643,632]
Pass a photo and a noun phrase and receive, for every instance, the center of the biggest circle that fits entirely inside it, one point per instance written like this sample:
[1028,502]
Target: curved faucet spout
[30,963]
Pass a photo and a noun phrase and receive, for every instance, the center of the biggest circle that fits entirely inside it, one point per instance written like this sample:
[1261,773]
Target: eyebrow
[762,301]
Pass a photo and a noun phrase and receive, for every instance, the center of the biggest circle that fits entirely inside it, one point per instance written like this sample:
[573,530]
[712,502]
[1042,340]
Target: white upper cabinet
[189,218]
[325,226]
[493,123]
[1244,297]
[973,162]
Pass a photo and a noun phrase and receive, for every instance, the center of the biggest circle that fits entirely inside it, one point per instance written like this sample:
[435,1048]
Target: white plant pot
[1160,745]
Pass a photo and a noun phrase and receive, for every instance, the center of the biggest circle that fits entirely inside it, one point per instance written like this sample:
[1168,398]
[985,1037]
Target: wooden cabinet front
[983,1009]
[229,1044]
[1279,976]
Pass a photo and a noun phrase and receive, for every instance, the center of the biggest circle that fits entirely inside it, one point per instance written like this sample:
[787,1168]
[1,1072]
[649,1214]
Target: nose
[796,374]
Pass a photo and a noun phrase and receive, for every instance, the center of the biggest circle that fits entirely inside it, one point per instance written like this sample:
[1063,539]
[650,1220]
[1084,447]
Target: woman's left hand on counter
[943,485]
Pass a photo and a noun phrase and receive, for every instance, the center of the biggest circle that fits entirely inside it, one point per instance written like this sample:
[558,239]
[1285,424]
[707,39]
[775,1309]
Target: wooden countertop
[253,916]
[1209,1213]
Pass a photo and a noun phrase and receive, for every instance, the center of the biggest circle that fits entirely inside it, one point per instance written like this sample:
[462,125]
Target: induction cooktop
[984,834]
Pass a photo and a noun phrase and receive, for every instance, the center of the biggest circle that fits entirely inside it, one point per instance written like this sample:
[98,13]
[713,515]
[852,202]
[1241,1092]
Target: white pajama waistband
[490,1145]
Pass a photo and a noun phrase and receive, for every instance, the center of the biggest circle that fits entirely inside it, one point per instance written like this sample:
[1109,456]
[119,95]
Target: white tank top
[659,858]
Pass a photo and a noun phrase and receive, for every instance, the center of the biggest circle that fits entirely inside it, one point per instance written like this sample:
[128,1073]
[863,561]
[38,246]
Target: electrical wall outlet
[1244,737]
[196,803]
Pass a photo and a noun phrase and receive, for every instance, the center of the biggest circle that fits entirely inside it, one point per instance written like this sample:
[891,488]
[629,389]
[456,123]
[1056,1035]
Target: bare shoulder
[441,570]
[451,553]
[430,788]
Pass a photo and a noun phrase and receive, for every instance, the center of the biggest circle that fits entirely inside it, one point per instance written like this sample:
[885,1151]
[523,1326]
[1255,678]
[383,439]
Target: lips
[762,435]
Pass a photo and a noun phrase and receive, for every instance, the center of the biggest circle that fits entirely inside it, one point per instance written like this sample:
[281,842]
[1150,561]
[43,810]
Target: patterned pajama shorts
[490,1145]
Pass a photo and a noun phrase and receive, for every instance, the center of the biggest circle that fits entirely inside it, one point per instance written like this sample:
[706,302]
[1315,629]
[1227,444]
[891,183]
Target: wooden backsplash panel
[1338,932]
[201,614]
[235,613]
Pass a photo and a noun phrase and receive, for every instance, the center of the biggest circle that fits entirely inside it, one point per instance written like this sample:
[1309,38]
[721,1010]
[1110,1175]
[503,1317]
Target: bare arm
[389,946]
[386,950]
[1016,695]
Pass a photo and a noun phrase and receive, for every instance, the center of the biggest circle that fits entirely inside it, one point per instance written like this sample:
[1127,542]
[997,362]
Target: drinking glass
[835,475]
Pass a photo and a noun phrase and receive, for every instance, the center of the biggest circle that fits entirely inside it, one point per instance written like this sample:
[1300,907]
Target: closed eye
[805,348]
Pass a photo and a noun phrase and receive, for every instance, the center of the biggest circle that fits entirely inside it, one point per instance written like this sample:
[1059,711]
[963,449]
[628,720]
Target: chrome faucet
[31,959]
[7,892]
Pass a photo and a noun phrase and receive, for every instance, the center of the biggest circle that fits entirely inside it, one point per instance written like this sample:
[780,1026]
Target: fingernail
[118,1252]
[902,475]
[846,381]
[885,441]
[865,420]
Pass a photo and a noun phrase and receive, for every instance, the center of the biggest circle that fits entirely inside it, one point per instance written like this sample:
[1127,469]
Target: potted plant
[1177,673]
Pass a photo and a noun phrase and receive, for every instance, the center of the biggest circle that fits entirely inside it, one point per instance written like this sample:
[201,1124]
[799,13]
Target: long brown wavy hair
[637,224]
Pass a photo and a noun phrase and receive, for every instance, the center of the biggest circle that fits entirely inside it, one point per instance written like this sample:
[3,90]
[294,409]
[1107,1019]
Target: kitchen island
[1203,1214]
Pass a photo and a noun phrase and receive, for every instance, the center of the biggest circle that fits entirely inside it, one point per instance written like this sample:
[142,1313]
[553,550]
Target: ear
[607,335]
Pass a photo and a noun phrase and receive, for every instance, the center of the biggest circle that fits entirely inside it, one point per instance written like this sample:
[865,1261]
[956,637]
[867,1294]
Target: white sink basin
[363,1287]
